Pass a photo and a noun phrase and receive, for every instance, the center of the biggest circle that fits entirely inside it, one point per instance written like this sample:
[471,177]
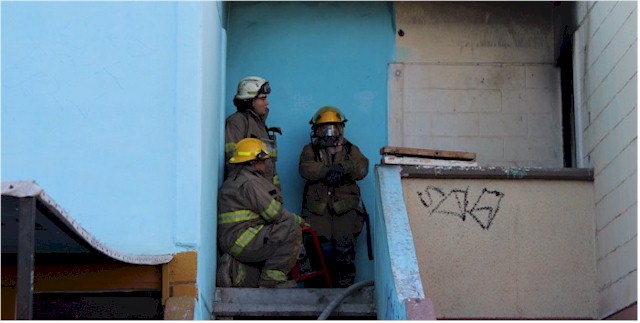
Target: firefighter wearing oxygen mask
[249,121]
[331,165]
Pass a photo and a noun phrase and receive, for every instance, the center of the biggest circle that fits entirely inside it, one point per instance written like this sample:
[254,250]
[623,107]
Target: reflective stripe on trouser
[277,244]
[273,274]
[244,239]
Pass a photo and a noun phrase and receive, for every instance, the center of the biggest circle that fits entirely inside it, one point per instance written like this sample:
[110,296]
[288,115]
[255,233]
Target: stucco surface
[505,248]
[457,31]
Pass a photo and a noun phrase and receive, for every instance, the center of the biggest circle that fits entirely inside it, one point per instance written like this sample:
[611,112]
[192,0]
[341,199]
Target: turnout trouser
[277,244]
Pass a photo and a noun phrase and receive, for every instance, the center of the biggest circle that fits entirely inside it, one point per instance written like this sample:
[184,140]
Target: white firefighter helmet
[252,87]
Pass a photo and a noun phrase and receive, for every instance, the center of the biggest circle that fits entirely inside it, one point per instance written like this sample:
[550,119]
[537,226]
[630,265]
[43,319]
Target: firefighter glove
[335,174]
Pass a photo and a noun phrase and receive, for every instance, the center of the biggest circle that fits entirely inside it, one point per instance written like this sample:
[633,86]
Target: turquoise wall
[399,291]
[315,54]
[88,108]
[212,55]
[115,109]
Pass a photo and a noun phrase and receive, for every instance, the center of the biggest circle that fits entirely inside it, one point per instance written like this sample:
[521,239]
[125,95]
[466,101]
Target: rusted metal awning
[32,223]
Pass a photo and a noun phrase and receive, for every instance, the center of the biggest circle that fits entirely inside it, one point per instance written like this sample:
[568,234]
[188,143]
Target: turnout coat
[322,198]
[248,124]
[252,224]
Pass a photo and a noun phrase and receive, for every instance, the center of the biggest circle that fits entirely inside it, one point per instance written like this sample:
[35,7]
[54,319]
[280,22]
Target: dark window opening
[98,305]
[565,62]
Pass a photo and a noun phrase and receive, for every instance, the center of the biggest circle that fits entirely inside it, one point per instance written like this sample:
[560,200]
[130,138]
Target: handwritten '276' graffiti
[456,202]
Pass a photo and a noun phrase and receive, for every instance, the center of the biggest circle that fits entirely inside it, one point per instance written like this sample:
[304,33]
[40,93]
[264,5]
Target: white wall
[606,56]
[478,77]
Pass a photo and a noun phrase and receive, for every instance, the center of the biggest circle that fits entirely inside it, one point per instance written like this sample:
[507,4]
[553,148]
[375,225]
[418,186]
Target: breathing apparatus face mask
[327,135]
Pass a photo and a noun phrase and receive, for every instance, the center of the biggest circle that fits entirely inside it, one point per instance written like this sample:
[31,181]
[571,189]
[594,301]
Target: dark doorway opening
[565,62]
[131,305]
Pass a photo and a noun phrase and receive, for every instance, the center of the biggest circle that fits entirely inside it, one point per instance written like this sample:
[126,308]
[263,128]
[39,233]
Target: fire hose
[347,291]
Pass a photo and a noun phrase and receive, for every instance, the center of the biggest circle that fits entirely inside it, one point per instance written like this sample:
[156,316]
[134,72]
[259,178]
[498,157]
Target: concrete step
[232,302]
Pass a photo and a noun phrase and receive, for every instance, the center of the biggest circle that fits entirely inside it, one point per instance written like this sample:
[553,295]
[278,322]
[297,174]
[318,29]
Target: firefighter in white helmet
[331,203]
[249,121]
[254,230]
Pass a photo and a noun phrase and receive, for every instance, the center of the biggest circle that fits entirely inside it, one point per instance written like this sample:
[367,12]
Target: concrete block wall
[606,92]
[477,77]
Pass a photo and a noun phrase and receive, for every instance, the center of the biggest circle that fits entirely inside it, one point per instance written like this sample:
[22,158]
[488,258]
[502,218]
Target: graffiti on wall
[456,202]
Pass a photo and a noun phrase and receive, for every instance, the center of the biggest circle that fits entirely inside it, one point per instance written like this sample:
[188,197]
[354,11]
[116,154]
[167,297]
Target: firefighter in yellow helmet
[249,121]
[255,233]
[331,165]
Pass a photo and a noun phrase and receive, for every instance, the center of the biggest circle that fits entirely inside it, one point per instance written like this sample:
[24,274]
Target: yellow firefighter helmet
[328,114]
[249,149]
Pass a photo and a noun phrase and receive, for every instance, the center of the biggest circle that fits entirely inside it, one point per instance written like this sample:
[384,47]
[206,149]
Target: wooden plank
[514,173]
[285,295]
[419,161]
[91,277]
[8,304]
[26,249]
[291,309]
[283,302]
[430,153]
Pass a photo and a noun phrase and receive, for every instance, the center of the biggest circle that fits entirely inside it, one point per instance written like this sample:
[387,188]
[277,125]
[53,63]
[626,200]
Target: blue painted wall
[88,108]
[315,54]
[397,275]
[207,69]
[115,109]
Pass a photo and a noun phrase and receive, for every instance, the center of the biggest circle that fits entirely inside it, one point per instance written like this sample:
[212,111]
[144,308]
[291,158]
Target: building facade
[117,108]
